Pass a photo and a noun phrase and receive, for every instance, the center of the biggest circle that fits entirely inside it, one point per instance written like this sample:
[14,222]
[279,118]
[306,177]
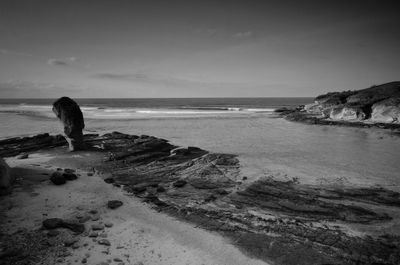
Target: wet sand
[139,235]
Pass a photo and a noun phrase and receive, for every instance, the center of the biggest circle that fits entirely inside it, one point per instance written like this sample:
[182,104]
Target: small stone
[95,217]
[109,180]
[104,242]
[75,245]
[108,224]
[97,227]
[84,260]
[114,204]
[93,211]
[117,259]
[93,234]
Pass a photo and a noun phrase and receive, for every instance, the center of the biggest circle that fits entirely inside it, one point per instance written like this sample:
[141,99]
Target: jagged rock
[114,204]
[58,178]
[5,177]
[70,115]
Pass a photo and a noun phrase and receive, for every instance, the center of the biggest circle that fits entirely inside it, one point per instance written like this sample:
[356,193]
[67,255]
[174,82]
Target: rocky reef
[282,222]
[377,105]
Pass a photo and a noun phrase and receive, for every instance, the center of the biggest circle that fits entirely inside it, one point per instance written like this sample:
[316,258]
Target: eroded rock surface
[284,222]
[70,115]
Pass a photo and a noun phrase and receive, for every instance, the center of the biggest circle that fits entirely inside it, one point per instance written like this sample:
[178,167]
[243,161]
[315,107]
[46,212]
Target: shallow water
[266,145]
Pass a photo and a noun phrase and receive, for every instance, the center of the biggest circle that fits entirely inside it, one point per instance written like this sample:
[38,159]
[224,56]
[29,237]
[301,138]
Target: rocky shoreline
[377,106]
[282,222]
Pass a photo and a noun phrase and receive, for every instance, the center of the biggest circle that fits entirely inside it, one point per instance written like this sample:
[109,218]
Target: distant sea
[265,144]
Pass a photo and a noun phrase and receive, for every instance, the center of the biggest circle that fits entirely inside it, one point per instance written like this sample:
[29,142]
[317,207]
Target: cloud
[62,62]
[243,34]
[53,61]
[116,76]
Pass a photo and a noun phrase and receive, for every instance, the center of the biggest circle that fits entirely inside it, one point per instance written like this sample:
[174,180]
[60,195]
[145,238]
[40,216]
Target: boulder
[5,175]
[70,115]
[58,178]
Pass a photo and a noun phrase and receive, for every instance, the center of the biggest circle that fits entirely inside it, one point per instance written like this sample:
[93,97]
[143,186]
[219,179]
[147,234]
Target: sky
[128,48]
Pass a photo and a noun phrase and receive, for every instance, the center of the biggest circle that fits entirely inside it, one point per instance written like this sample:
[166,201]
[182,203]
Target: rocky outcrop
[375,105]
[283,222]
[70,115]
[5,176]
[386,111]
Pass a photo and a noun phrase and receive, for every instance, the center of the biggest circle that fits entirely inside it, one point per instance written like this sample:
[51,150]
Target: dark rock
[160,189]
[114,204]
[69,170]
[109,180]
[179,183]
[58,178]
[23,156]
[70,115]
[53,223]
[6,178]
[70,176]
[53,233]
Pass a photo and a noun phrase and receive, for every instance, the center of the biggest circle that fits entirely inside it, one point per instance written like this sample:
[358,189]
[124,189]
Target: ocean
[266,145]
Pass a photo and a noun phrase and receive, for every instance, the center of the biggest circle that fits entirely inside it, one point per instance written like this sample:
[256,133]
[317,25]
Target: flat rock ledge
[277,221]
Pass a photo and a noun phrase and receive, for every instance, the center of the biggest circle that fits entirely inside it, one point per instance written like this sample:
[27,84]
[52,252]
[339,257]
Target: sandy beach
[138,235]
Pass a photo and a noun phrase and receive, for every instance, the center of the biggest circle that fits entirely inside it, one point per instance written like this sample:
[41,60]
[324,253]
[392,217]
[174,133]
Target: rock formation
[375,104]
[70,115]
[5,176]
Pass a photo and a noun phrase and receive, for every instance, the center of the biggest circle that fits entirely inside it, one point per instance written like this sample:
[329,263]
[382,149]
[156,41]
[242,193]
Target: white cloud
[53,61]
[243,34]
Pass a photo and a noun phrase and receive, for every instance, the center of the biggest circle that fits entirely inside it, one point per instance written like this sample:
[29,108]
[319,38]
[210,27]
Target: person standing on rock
[69,113]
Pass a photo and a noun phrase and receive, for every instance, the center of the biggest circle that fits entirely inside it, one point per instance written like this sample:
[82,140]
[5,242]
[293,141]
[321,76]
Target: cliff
[377,104]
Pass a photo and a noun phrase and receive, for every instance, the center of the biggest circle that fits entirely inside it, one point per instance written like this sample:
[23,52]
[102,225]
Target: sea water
[267,146]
